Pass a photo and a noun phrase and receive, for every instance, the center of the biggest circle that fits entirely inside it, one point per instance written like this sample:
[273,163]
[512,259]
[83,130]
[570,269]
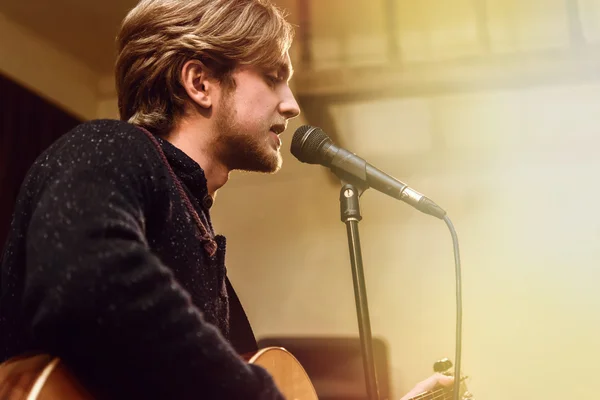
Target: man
[111,262]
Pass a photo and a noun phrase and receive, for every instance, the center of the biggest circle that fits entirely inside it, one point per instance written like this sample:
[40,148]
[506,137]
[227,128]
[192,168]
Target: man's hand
[428,384]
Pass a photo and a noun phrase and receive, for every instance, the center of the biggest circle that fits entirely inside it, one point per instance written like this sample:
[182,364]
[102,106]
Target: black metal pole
[350,214]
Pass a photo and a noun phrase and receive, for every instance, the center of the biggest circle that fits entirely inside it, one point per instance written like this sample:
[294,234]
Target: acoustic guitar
[42,377]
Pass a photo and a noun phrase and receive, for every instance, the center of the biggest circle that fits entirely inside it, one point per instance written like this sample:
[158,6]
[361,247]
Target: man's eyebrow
[286,71]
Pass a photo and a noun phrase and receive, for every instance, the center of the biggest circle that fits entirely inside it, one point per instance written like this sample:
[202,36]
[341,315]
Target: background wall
[43,67]
[517,183]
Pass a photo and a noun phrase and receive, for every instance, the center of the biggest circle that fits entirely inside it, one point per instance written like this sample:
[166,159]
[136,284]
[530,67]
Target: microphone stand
[350,215]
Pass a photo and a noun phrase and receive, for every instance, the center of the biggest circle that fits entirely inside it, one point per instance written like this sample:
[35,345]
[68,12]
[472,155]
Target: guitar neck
[437,394]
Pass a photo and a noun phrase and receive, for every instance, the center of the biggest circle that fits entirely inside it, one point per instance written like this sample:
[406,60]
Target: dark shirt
[105,267]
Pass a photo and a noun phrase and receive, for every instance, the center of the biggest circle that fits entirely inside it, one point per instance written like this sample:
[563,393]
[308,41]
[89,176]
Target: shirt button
[207,202]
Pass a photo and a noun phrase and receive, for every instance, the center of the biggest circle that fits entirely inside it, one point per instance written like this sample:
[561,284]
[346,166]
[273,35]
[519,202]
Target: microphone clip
[349,202]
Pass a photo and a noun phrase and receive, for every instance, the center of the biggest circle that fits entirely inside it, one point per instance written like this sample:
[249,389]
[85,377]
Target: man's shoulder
[100,146]
[105,132]
[103,140]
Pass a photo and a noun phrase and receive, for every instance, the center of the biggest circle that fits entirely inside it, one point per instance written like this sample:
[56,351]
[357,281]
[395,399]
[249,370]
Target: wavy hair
[158,37]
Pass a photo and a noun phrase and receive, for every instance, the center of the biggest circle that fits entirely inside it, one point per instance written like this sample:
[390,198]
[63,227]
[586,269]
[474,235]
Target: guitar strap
[241,335]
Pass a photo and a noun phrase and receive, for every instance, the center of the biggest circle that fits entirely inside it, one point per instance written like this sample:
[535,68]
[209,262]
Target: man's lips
[276,138]
[276,130]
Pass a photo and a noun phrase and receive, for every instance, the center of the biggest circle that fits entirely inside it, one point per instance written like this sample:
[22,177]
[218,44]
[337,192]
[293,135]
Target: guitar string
[444,396]
[445,392]
[434,395]
[428,394]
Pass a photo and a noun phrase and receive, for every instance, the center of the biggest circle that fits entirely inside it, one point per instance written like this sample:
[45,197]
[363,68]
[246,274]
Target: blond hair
[159,36]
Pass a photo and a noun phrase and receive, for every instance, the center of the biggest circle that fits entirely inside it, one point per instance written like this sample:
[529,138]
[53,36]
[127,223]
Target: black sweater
[105,268]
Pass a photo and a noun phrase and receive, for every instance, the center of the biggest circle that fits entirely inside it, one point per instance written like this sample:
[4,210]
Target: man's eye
[273,78]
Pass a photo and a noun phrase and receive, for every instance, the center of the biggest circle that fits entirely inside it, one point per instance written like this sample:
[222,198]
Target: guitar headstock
[444,366]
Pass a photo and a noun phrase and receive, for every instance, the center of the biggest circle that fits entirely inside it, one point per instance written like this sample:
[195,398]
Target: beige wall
[107,99]
[54,74]
[42,67]
[518,181]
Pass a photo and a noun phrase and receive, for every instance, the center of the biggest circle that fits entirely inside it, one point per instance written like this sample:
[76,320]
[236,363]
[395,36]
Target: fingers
[445,380]
[429,384]
[433,380]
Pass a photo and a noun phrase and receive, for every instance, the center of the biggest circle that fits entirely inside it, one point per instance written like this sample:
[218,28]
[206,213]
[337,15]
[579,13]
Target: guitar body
[38,377]
[41,377]
[288,374]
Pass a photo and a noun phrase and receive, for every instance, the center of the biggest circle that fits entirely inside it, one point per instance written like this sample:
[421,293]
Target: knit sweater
[105,267]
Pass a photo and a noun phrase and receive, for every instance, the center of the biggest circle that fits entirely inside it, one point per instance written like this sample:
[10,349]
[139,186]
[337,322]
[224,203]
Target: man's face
[250,117]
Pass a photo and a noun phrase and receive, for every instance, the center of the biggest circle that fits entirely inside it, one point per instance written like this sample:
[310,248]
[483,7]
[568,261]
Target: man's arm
[97,297]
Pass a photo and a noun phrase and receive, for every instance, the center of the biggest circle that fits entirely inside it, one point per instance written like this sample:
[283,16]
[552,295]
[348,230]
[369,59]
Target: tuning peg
[442,365]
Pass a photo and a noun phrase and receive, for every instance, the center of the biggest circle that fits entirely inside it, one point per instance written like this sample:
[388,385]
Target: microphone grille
[307,143]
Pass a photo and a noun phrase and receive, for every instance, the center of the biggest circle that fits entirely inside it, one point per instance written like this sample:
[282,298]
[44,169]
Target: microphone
[312,146]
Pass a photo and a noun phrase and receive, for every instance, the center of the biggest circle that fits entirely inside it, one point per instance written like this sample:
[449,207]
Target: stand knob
[442,365]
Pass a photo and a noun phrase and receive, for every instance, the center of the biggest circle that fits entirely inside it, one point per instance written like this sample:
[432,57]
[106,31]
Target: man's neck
[197,147]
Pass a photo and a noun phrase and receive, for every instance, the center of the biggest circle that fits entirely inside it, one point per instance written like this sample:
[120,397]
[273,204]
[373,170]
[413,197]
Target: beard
[241,150]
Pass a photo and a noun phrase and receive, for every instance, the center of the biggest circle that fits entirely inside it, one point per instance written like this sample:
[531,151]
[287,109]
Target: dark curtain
[28,125]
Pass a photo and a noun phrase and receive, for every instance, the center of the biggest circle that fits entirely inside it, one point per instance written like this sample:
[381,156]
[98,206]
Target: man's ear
[196,82]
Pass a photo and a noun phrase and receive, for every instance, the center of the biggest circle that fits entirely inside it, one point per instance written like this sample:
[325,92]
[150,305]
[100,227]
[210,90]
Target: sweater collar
[188,170]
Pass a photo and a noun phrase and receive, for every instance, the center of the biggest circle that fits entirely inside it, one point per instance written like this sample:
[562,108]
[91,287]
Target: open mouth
[276,138]
[275,131]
